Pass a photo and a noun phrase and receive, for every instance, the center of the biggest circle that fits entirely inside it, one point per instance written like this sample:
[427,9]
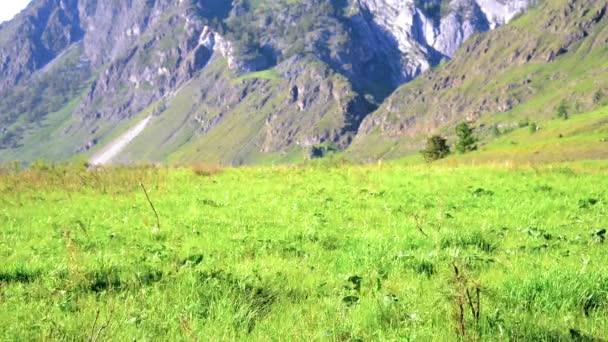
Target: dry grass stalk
[466,293]
[151,205]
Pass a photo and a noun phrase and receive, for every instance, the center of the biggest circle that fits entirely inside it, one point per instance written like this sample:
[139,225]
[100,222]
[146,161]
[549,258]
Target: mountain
[236,82]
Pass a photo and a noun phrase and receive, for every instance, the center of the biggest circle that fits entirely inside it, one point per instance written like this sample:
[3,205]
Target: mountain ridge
[311,86]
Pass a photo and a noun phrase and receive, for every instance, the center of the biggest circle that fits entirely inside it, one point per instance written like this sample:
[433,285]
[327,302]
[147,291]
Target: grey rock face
[113,26]
[400,37]
[422,33]
[500,12]
[217,43]
[34,39]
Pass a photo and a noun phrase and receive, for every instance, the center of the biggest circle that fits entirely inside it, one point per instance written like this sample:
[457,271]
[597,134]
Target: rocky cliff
[420,34]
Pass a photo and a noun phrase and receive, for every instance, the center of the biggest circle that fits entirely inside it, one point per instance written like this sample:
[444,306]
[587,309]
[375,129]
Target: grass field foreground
[316,252]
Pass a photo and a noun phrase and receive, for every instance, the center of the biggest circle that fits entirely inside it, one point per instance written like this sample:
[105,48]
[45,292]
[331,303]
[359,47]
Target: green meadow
[323,251]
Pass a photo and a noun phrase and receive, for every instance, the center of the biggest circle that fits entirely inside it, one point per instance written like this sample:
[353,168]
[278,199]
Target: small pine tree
[598,97]
[562,110]
[496,131]
[533,128]
[467,142]
[436,148]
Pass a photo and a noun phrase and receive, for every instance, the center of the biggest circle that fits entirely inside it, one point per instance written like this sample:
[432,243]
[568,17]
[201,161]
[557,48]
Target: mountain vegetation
[238,82]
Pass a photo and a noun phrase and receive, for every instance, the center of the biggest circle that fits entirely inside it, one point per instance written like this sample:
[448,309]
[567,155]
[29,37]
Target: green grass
[582,137]
[304,253]
[269,74]
[45,134]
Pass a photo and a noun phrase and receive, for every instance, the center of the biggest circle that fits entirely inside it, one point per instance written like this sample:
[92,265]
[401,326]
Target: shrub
[598,97]
[467,142]
[496,131]
[436,148]
[322,150]
[533,128]
[206,170]
[562,110]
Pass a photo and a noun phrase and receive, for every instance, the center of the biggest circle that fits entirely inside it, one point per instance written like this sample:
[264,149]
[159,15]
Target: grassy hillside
[316,252]
[581,137]
[259,117]
[41,108]
[554,53]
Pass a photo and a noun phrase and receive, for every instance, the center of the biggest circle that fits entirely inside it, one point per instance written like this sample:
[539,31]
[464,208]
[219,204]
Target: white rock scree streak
[109,152]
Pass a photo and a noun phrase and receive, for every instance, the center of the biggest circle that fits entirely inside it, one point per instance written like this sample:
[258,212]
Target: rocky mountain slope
[236,82]
[523,71]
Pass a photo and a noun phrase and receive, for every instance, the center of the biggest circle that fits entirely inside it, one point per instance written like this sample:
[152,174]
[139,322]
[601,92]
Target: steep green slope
[556,52]
[268,115]
[36,114]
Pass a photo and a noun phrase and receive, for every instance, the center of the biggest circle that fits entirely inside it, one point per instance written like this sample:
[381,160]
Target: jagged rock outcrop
[302,104]
[321,106]
[213,41]
[418,34]
[35,38]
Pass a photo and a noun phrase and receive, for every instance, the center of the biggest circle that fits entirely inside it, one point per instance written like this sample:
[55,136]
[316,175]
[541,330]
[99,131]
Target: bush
[436,148]
[322,150]
[562,110]
[598,97]
[205,170]
[467,142]
[496,131]
[533,128]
